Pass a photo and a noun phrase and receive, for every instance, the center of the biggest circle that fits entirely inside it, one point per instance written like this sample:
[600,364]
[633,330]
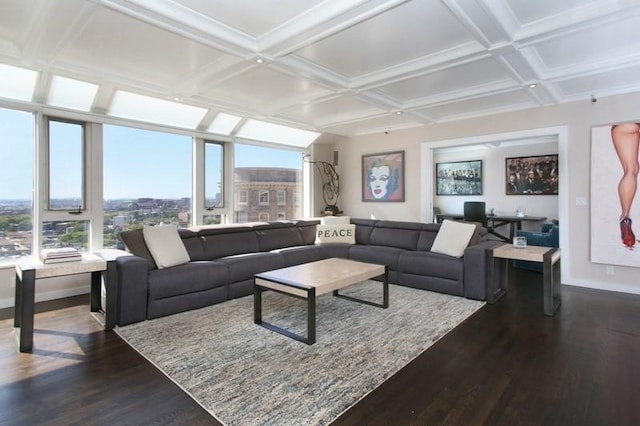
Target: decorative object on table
[521,211]
[459,178]
[615,208]
[330,185]
[61,254]
[383,177]
[533,175]
[519,242]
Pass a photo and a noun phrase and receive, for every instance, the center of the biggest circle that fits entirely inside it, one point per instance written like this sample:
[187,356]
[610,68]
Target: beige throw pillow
[336,234]
[335,220]
[165,245]
[453,237]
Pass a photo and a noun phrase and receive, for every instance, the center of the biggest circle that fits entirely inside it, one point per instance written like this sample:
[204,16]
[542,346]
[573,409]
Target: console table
[28,270]
[514,223]
[500,270]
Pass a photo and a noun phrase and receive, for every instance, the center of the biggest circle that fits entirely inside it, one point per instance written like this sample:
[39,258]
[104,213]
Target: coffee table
[310,280]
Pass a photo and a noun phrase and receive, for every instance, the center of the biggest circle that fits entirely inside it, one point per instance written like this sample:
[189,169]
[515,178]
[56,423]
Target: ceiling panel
[527,11]
[15,13]
[250,16]
[136,49]
[452,79]
[611,40]
[342,108]
[260,86]
[621,80]
[509,101]
[385,124]
[409,31]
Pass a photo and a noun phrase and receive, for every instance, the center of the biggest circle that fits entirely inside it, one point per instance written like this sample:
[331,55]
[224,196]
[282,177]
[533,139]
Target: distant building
[266,194]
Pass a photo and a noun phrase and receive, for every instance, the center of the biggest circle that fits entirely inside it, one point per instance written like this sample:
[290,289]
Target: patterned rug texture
[244,374]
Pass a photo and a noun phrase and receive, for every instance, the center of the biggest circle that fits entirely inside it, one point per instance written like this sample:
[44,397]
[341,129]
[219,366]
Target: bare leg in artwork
[626,139]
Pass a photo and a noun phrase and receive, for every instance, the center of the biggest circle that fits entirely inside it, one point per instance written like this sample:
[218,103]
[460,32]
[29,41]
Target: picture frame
[459,178]
[532,175]
[383,177]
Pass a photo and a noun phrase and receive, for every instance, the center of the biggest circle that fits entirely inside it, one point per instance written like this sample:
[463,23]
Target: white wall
[493,180]
[578,117]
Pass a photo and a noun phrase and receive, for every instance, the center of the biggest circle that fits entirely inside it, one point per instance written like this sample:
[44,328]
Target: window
[73,233]
[263,217]
[263,198]
[147,180]
[242,217]
[281,216]
[16,166]
[243,196]
[66,165]
[259,170]
[213,157]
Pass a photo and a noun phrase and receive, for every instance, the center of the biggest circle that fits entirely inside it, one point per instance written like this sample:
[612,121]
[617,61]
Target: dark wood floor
[505,365]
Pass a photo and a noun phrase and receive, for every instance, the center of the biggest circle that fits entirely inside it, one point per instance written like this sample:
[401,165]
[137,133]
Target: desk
[514,223]
[28,270]
[500,271]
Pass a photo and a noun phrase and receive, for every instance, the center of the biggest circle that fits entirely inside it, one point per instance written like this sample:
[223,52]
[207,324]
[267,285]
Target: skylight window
[17,83]
[72,94]
[143,108]
[224,124]
[269,132]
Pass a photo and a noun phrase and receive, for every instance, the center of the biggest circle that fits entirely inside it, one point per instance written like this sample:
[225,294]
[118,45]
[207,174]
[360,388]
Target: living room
[356,109]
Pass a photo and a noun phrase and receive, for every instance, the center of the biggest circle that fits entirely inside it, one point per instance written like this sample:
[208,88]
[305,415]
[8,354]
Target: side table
[28,270]
[500,269]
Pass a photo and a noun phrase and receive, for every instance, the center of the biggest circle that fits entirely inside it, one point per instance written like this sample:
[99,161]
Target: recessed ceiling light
[398,112]
[532,86]
[259,61]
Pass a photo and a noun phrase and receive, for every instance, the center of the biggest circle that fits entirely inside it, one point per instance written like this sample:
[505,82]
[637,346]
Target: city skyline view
[149,168]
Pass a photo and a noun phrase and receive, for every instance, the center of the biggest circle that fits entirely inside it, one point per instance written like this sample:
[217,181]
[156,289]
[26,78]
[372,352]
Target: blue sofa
[548,236]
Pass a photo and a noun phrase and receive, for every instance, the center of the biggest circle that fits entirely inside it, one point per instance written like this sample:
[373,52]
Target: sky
[137,163]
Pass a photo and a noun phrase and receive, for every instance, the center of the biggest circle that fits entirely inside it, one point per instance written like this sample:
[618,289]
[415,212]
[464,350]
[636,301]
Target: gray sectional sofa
[225,258]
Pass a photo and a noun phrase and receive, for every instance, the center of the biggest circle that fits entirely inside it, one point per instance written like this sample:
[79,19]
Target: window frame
[262,192]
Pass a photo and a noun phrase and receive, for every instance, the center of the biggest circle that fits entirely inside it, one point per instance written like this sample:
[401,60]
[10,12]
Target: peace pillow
[165,245]
[453,237]
[336,234]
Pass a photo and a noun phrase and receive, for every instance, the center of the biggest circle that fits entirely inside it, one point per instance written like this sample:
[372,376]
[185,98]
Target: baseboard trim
[619,288]
[50,295]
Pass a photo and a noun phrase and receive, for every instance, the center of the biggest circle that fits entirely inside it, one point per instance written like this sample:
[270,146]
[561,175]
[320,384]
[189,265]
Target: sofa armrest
[475,269]
[133,275]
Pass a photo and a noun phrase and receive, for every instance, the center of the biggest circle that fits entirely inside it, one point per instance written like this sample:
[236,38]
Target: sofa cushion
[133,241]
[336,234]
[335,220]
[403,235]
[188,278]
[379,255]
[453,237]
[165,245]
[244,266]
[221,241]
[307,230]
[302,254]
[277,235]
[430,264]
[363,229]
[193,243]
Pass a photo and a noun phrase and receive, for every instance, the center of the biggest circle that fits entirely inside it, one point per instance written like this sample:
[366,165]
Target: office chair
[476,211]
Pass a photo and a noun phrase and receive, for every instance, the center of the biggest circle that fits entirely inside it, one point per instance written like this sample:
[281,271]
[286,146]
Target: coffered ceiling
[346,67]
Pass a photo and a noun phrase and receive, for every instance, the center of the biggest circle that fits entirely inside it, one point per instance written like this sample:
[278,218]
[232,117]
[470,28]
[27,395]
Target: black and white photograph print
[459,178]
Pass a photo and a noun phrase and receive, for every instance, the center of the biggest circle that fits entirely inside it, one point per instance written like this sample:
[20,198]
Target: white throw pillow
[453,237]
[165,245]
[335,234]
[335,220]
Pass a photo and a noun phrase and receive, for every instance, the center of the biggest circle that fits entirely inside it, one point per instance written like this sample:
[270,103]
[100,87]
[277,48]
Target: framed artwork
[534,175]
[615,204]
[459,178]
[383,177]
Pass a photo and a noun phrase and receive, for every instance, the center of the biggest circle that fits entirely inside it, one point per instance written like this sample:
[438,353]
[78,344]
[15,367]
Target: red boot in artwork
[628,238]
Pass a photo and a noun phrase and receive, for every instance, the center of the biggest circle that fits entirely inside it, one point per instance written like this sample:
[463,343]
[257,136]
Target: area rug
[244,374]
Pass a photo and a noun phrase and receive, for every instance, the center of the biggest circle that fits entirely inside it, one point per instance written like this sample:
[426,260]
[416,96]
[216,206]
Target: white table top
[529,253]
[89,263]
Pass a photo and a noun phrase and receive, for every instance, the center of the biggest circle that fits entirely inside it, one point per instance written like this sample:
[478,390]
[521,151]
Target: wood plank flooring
[506,365]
